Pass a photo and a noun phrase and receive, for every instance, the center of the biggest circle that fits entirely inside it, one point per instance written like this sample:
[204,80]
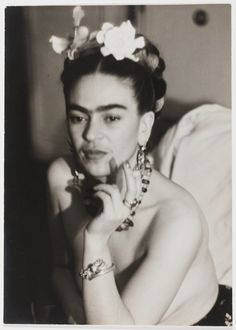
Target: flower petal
[100,37]
[83,32]
[71,53]
[129,29]
[59,45]
[105,51]
[107,26]
[78,42]
[132,57]
[139,42]
[93,35]
[119,41]
[78,14]
[118,56]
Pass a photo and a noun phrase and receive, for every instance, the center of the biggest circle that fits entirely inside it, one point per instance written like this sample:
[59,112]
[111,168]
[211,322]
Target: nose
[92,130]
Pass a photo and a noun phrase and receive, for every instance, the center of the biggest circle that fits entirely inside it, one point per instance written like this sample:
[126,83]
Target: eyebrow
[100,108]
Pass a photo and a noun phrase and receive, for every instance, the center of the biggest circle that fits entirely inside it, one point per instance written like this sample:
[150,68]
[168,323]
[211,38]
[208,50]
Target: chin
[97,170]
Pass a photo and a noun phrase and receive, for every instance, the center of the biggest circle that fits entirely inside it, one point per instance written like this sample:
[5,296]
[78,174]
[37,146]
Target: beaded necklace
[94,206]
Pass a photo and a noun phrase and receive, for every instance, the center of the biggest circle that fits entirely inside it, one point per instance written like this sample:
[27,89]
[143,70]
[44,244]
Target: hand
[114,211]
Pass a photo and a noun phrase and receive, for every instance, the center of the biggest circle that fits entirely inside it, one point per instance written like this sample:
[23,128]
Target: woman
[129,246]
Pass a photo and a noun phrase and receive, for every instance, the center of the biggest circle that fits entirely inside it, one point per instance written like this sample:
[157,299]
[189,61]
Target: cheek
[75,134]
[125,142]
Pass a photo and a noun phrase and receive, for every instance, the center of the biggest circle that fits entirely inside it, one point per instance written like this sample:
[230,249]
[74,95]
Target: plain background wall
[197,57]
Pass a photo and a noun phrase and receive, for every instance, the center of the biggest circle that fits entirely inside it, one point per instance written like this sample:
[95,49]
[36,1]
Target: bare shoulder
[59,172]
[59,177]
[178,215]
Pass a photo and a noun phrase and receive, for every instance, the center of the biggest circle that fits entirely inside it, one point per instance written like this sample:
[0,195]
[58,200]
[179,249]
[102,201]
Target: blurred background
[194,40]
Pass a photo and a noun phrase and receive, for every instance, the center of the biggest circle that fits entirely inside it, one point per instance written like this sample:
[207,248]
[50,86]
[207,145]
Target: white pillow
[196,153]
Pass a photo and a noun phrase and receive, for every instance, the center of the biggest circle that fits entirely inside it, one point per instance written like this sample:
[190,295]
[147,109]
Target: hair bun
[150,58]
[159,68]
[159,87]
[158,81]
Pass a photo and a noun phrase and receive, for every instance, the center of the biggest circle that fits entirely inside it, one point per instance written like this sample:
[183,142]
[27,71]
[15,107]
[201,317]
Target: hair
[146,75]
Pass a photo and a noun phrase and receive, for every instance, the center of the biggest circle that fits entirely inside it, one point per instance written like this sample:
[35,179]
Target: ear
[145,127]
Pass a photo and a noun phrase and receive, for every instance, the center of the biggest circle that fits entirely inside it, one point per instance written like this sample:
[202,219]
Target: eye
[76,119]
[111,118]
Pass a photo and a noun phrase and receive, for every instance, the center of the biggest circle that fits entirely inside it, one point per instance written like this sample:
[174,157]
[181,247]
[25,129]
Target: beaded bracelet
[95,269]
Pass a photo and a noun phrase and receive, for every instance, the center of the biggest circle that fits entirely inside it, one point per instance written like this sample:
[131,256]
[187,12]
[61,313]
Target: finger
[113,171]
[131,186]
[114,193]
[108,210]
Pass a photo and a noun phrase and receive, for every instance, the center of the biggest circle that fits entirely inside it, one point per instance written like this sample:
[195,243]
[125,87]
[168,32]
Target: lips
[94,154]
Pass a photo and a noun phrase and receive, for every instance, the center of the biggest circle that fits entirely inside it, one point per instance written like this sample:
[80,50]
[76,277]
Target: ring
[127,203]
[130,205]
[135,202]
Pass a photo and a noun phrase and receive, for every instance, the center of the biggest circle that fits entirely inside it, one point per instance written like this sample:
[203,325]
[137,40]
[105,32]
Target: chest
[125,247]
[126,254]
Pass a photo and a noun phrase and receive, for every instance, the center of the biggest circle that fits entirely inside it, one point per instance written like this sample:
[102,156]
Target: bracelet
[95,269]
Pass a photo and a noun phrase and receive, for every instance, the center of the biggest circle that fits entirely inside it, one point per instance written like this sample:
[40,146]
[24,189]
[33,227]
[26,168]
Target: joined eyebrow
[98,109]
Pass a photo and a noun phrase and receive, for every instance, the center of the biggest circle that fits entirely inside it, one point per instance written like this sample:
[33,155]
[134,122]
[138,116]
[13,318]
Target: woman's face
[103,122]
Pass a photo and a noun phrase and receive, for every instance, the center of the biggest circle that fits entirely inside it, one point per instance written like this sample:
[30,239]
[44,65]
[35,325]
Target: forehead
[99,89]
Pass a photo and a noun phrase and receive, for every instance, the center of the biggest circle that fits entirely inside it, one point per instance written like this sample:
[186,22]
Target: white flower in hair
[119,41]
[81,34]
[59,45]
[78,14]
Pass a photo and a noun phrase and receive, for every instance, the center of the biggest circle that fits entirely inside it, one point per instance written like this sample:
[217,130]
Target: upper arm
[60,255]
[172,249]
[54,174]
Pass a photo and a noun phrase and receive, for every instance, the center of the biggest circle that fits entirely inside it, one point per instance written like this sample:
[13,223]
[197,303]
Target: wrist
[95,248]
[95,269]
[95,239]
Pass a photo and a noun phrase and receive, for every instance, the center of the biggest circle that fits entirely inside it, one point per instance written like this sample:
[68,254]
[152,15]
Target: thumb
[113,171]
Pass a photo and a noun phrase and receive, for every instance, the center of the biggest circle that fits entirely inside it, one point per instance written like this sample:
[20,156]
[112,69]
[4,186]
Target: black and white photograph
[118,164]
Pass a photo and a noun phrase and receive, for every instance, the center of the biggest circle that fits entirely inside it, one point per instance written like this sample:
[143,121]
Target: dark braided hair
[146,75]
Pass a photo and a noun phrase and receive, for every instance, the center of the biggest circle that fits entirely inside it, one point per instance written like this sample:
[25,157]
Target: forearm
[68,295]
[102,302]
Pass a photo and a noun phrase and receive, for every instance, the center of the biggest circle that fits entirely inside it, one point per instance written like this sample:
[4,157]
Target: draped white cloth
[196,154]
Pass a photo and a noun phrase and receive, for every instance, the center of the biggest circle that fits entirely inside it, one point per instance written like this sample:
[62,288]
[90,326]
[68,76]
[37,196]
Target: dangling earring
[144,166]
[141,158]
[78,177]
